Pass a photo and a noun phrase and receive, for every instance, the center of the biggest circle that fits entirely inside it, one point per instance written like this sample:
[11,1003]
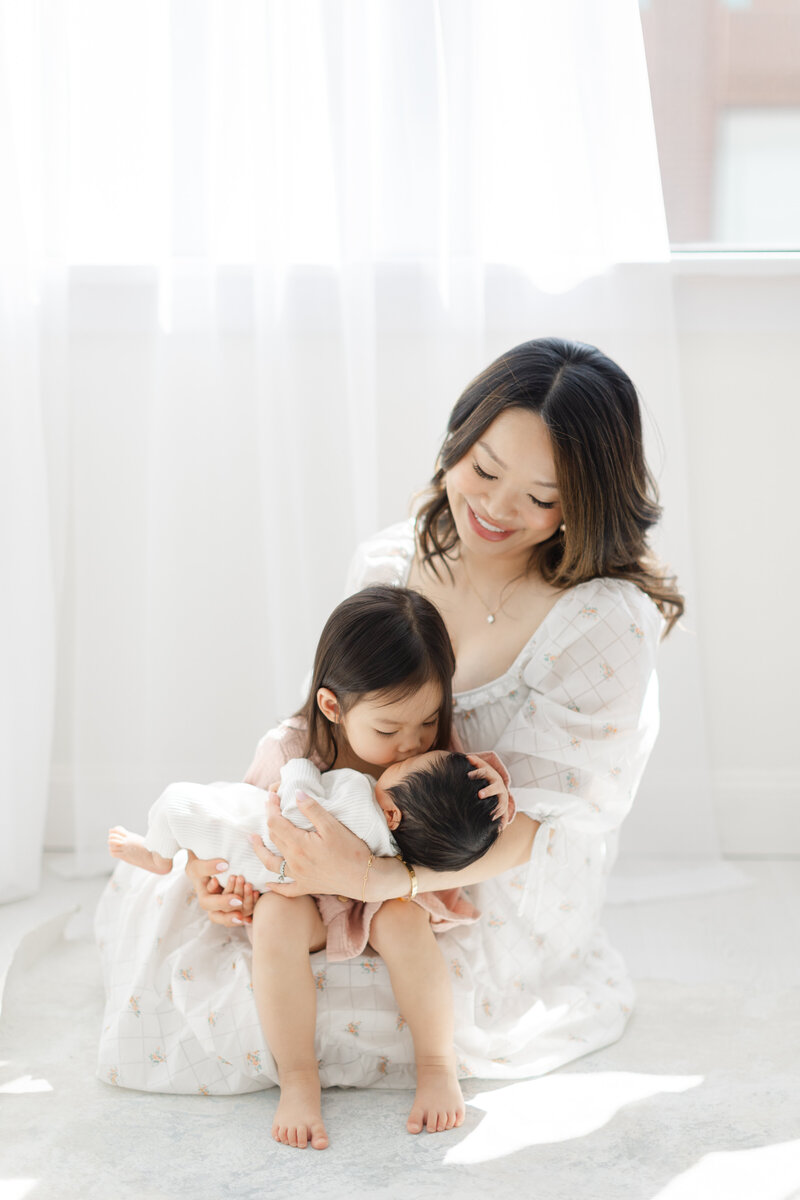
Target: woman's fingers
[268,857]
[283,831]
[287,838]
[476,760]
[228,900]
[273,863]
[495,785]
[231,905]
[492,788]
[327,858]
[200,869]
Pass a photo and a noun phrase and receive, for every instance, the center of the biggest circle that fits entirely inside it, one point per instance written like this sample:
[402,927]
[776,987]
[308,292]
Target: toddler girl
[379,705]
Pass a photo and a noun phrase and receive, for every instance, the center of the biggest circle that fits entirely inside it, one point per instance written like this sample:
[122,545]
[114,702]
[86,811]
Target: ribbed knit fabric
[216,818]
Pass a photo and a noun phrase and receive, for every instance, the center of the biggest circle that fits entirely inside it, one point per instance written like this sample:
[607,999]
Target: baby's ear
[393,816]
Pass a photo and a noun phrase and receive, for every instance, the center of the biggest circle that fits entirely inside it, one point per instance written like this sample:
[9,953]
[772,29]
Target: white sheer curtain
[252,252]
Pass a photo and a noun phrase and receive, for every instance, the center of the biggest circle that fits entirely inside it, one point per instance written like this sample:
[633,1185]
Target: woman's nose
[500,509]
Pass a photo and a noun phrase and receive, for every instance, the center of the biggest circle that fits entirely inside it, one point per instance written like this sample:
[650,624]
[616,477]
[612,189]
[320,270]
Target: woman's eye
[383,732]
[431,724]
[479,471]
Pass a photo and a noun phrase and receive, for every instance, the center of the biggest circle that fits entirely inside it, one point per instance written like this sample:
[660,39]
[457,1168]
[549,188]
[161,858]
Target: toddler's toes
[319,1136]
[434,1122]
[416,1119]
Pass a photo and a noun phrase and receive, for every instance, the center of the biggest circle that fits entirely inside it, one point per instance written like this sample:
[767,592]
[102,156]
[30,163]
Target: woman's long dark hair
[608,496]
[385,640]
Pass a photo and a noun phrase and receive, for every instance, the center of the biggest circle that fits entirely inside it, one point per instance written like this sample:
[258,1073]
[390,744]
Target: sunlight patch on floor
[555,1109]
[25,1083]
[769,1172]
[16,1189]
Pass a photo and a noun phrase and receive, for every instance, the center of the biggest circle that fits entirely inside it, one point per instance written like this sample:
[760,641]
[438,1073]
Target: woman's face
[503,493]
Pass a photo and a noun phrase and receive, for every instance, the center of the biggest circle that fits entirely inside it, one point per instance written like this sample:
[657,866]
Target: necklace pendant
[490,619]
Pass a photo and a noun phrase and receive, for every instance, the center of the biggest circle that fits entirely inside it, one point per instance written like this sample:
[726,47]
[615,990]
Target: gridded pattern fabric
[216,818]
[535,982]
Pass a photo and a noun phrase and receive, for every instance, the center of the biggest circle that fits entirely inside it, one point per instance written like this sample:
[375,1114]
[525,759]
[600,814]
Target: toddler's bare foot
[438,1104]
[131,849]
[298,1119]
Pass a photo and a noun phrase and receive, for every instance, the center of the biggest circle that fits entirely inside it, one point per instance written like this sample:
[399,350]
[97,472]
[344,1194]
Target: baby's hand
[495,786]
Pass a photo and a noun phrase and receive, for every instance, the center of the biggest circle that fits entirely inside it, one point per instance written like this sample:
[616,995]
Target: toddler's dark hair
[445,824]
[382,639]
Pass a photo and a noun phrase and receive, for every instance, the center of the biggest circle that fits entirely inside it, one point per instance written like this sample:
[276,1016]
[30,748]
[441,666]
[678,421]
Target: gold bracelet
[412,879]
[364,881]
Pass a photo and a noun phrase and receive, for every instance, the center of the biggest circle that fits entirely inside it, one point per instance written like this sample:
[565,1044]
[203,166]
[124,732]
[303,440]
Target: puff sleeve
[578,745]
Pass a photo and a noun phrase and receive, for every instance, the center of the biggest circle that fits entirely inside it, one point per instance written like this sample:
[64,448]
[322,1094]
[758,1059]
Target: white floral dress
[535,982]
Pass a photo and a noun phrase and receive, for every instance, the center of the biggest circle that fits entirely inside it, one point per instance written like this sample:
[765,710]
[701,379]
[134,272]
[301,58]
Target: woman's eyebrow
[536,483]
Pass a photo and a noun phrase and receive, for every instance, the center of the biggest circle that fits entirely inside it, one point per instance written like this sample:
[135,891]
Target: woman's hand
[495,786]
[326,860]
[330,860]
[231,905]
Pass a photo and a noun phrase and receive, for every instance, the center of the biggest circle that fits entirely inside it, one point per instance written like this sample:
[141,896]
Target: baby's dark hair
[386,640]
[445,824]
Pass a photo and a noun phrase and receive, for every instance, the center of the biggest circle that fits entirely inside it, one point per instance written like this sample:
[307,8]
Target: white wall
[739,350]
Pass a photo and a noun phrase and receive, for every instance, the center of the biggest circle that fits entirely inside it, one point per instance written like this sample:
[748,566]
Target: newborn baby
[425,808]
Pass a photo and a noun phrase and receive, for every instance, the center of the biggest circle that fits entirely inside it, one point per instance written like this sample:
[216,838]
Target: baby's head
[434,811]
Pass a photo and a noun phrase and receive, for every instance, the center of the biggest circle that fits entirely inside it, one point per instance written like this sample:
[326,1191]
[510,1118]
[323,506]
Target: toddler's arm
[276,748]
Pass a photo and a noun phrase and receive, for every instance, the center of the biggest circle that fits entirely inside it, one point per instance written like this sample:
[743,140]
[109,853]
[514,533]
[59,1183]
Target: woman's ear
[328,705]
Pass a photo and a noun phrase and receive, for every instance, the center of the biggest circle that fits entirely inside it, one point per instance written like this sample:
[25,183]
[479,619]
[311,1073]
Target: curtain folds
[251,255]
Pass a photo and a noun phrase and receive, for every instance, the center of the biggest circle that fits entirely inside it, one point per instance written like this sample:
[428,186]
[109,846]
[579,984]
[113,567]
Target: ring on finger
[282,872]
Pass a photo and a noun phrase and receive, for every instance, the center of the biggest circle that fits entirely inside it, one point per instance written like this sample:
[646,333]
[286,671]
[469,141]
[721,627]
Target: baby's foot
[298,1118]
[438,1104]
[131,849]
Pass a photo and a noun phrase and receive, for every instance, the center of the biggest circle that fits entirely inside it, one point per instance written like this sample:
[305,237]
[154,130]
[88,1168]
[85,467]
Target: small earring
[562,528]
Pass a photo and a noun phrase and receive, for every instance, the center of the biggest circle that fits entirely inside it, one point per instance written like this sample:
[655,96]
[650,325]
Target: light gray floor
[699,1101]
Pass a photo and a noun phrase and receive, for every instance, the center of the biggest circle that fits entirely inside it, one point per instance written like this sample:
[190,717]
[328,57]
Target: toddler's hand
[495,786]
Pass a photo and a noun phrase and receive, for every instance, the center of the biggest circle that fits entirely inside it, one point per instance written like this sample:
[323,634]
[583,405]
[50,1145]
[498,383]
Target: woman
[532,543]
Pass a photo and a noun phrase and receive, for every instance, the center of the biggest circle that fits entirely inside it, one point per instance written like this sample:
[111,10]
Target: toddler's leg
[402,935]
[131,849]
[284,932]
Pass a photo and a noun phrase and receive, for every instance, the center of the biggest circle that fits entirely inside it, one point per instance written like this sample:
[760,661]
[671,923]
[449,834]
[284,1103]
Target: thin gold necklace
[492,612]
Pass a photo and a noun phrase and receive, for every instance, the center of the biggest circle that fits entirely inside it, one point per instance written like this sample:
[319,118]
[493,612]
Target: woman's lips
[492,534]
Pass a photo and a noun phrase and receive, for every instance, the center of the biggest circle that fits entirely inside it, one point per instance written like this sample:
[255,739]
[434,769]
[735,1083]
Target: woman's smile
[492,533]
